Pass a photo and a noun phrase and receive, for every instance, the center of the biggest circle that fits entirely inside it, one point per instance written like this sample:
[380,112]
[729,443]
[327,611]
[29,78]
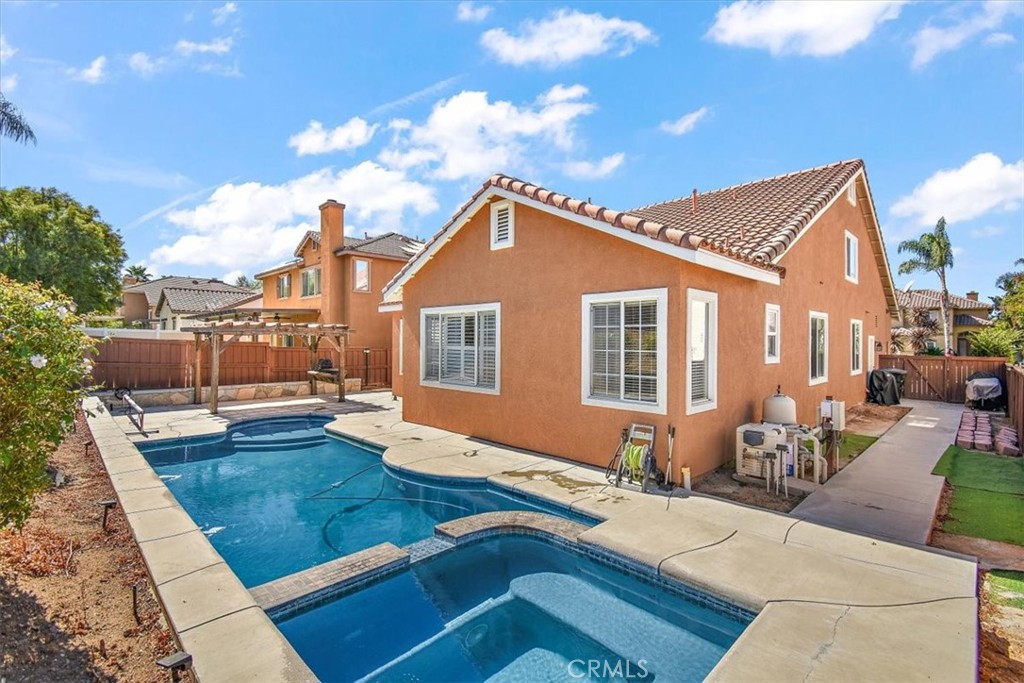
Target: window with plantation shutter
[701,351]
[502,225]
[624,350]
[461,347]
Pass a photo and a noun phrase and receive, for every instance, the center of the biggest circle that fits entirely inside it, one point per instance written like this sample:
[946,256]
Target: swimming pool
[513,608]
[277,496]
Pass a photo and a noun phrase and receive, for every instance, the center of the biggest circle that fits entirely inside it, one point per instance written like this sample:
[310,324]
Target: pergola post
[197,379]
[341,368]
[215,338]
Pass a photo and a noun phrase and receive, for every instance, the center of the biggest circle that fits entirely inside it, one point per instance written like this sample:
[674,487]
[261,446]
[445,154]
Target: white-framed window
[625,350]
[818,348]
[856,346]
[772,334]
[360,275]
[852,264]
[401,346]
[460,347]
[311,281]
[503,225]
[284,286]
[851,193]
[701,351]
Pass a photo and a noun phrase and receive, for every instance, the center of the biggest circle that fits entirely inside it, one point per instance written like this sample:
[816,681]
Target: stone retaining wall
[147,398]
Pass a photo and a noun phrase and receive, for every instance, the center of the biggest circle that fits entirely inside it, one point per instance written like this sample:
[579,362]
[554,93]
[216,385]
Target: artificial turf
[852,446]
[988,495]
[1007,588]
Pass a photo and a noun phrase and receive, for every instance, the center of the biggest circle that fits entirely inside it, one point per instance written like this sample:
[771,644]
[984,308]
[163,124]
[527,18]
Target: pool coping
[894,612]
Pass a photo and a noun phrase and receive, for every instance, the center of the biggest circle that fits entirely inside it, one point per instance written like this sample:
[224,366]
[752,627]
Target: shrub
[995,341]
[43,367]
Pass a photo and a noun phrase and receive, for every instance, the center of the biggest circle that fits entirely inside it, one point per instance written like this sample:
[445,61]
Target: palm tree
[932,253]
[12,123]
[139,272]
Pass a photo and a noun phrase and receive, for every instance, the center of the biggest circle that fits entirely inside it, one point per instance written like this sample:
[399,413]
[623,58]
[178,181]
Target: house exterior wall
[540,283]
[134,307]
[370,328]
[310,257]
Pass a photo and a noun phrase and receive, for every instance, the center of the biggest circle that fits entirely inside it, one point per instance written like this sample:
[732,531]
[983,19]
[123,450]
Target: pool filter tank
[778,409]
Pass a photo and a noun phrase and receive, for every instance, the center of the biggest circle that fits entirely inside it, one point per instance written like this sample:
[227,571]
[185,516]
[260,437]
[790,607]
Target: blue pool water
[514,609]
[278,496]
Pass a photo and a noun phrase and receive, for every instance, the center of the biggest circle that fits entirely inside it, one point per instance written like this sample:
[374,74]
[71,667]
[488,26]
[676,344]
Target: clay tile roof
[189,300]
[756,220]
[964,320]
[390,244]
[154,288]
[930,298]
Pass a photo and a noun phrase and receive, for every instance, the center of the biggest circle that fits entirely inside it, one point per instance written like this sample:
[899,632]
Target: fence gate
[937,378]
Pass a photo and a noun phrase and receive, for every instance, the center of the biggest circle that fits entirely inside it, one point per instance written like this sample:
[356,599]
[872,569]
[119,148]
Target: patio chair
[634,458]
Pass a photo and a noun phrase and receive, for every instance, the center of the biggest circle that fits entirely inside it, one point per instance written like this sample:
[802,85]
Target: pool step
[292,444]
[533,664]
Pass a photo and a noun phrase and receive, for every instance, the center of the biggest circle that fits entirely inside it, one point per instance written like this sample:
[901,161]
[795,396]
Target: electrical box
[834,412]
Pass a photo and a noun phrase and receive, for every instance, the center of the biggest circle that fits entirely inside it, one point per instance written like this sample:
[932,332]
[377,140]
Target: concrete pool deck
[831,605]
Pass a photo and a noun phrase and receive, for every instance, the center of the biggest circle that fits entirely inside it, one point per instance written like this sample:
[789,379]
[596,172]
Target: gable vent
[502,225]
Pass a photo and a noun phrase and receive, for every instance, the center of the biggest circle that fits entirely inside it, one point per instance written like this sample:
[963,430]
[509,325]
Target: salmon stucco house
[548,323]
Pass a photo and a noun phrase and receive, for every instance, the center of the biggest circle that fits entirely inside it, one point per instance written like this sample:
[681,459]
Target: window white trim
[284,278]
[710,298]
[660,295]
[811,380]
[401,346]
[856,352]
[851,266]
[510,240]
[355,276]
[466,308]
[871,352]
[769,309]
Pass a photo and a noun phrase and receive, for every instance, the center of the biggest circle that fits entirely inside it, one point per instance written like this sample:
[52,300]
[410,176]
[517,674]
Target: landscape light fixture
[177,662]
[107,506]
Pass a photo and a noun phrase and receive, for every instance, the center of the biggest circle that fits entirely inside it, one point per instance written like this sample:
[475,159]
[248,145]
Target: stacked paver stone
[975,431]
[1007,441]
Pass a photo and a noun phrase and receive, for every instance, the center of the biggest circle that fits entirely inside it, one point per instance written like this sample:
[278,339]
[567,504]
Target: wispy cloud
[173,204]
[594,170]
[315,139]
[217,46]
[685,123]
[131,173]
[144,65]
[8,83]
[92,74]
[931,41]
[411,98]
[223,13]
[1000,38]
[472,11]
[6,49]
[988,231]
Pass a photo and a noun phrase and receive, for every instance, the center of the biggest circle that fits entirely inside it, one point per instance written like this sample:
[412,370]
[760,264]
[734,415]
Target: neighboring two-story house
[968,314]
[549,323]
[140,300]
[337,279]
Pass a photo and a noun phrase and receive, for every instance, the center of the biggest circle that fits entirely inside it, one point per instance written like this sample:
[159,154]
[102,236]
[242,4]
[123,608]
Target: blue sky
[208,133]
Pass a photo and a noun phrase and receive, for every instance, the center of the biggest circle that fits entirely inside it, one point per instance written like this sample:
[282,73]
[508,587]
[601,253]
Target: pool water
[278,496]
[512,609]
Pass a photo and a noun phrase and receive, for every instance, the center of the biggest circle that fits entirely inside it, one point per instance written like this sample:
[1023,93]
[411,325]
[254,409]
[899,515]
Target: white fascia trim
[511,241]
[660,295]
[850,237]
[401,346]
[464,308]
[390,307]
[859,324]
[818,215]
[699,257]
[712,369]
[810,318]
[773,360]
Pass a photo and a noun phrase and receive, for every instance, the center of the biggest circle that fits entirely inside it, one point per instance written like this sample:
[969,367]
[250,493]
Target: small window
[401,346]
[851,258]
[503,227]
[460,348]
[311,282]
[772,333]
[361,275]
[856,347]
[701,351]
[818,348]
[284,286]
[851,193]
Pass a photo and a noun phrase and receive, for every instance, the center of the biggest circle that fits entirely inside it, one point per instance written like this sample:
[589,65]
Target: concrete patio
[831,605]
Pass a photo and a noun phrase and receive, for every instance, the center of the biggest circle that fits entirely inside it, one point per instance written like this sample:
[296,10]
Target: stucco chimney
[973,296]
[332,226]
[129,280]
[332,277]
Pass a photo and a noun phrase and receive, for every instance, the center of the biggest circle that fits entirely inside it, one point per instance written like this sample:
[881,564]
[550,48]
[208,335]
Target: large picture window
[311,281]
[818,347]
[461,347]
[624,342]
[701,351]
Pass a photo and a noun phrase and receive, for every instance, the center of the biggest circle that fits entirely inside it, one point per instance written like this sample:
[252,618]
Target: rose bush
[44,370]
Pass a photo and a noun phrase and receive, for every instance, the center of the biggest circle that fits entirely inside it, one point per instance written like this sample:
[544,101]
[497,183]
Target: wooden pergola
[225,333]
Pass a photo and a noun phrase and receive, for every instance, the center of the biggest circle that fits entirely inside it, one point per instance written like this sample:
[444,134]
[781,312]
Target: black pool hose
[338,484]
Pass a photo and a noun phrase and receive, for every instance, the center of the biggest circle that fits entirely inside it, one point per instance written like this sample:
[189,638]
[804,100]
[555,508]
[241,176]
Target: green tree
[13,124]
[43,366]
[138,272]
[932,253]
[248,283]
[1010,304]
[995,341]
[48,237]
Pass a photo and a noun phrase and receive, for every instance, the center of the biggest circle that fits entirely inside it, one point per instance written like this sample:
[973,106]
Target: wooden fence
[938,378]
[1015,396]
[168,363]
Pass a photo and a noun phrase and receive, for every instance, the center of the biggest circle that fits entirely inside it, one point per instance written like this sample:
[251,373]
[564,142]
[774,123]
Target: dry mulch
[66,586]
[873,420]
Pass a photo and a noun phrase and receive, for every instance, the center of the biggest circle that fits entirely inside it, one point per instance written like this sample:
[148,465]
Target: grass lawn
[852,446]
[988,495]
[1007,588]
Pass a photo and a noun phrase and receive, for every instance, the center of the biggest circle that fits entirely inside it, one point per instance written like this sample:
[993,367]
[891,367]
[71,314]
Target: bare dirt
[66,586]
[873,420]
[720,483]
[1002,639]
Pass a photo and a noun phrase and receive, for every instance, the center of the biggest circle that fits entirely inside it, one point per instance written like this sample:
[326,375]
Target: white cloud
[218,46]
[685,123]
[144,65]
[6,49]
[9,83]
[999,39]
[423,93]
[255,225]
[987,231]
[223,13]
[354,133]
[982,185]
[468,136]
[565,37]
[932,41]
[93,74]
[957,251]
[471,11]
[232,275]
[594,170]
[227,70]
[812,28]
